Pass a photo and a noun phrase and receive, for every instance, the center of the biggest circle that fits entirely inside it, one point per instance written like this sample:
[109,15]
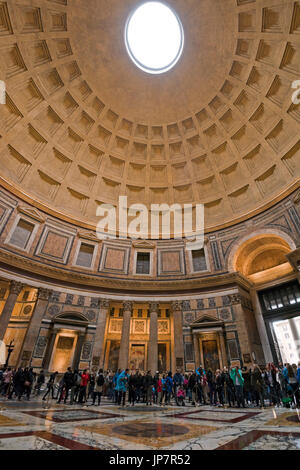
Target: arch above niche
[71,318]
[262,255]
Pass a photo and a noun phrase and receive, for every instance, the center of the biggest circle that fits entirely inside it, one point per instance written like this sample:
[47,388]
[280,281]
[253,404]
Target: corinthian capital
[44,294]
[154,307]
[176,305]
[128,306]
[16,287]
[104,303]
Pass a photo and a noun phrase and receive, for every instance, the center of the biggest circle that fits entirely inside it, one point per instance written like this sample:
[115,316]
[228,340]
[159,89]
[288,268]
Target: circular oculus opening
[154,37]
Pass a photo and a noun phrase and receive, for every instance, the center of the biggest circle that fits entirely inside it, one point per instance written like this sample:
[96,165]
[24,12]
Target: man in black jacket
[68,382]
[132,384]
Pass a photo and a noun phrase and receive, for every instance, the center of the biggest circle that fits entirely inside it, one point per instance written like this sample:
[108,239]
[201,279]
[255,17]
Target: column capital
[104,303]
[235,298]
[16,287]
[176,305]
[128,306]
[44,294]
[153,307]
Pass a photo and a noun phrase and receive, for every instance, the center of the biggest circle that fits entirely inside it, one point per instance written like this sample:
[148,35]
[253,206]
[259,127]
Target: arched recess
[261,256]
[65,341]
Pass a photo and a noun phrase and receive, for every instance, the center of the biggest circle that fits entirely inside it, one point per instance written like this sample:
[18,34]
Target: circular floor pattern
[150,430]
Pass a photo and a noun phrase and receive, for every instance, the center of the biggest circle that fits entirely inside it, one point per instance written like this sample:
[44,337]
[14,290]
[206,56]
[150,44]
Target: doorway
[286,335]
[63,351]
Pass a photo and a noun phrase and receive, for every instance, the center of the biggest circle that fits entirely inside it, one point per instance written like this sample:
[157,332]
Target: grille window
[143,263]
[22,233]
[199,260]
[85,255]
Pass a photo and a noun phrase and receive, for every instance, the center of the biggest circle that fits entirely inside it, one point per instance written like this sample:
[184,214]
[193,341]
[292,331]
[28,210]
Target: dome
[83,125]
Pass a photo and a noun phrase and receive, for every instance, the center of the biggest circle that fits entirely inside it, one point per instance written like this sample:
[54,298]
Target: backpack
[77,379]
[100,380]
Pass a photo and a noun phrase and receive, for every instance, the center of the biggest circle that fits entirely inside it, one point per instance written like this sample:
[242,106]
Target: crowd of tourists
[240,387]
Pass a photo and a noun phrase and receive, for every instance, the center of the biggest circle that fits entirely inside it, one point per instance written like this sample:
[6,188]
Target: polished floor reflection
[29,425]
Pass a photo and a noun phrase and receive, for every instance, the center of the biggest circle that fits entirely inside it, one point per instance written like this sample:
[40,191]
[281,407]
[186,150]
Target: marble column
[49,349]
[14,291]
[34,325]
[153,338]
[261,327]
[124,346]
[196,350]
[224,359]
[178,336]
[78,350]
[98,351]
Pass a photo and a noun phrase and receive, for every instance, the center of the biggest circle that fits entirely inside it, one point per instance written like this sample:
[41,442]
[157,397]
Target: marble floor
[36,425]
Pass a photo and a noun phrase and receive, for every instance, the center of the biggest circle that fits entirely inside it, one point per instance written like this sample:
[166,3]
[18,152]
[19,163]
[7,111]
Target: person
[220,387]
[7,378]
[92,384]
[67,384]
[258,385]
[238,382]
[177,381]
[40,381]
[115,382]
[292,381]
[271,382]
[247,385]
[212,387]
[169,388]
[228,387]
[83,386]
[159,390]
[148,384]
[50,386]
[75,387]
[132,384]
[121,387]
[98,387]
[192,385]
[180,396]
[28,381]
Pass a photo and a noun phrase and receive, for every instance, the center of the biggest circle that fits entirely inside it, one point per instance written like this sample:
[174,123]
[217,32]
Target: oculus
[154,37]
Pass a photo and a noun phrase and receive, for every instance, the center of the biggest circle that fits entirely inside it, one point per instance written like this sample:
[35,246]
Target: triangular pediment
[206,319]
[32,213]
[143,244]
[89,236]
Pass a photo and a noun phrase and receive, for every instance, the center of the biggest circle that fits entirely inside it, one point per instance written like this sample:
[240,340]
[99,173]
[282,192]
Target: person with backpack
[50,386]
[98,388]
[75,387]
[238,382]
[85,377]
[121,386]
[40,381]
[67,384]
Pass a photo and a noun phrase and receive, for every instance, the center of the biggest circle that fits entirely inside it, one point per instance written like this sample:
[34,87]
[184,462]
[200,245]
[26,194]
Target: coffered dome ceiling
[83,125]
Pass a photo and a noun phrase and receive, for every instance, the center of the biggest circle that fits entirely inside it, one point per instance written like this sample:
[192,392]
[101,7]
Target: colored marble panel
[264,440]
[39,440]
[217,415]
[64,416]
